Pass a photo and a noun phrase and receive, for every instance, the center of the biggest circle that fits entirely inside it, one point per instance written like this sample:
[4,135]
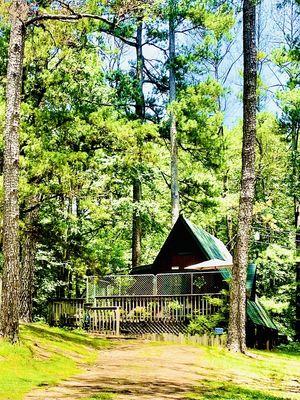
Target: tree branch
[76,17]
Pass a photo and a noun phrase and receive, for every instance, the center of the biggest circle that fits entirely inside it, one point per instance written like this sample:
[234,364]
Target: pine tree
[140,114]
[11,278]
[237,318]
[173,129]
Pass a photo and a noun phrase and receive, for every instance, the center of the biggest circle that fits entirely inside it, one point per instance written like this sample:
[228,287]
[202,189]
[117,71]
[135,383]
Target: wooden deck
[163,308]
[66,312]
[132,314]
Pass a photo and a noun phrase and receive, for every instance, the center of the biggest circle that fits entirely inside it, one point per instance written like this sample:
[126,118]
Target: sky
[270,23]
[268,37]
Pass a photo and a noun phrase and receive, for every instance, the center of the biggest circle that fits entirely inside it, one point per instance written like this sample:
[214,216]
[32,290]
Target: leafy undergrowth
[264,376]
[44,357]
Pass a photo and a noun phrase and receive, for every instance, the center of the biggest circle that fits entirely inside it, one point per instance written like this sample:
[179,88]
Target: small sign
[219,331]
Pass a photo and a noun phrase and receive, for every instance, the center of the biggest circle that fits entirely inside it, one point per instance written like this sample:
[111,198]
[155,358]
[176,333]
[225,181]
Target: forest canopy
[95,177]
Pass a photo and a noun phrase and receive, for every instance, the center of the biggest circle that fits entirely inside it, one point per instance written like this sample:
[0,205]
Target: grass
[44,357]
[225,391]
[47,355]
[102,396]
[266,376]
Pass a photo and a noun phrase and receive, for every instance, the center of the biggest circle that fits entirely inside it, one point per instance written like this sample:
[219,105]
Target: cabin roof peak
[212,247]
[186,246]
[208,245]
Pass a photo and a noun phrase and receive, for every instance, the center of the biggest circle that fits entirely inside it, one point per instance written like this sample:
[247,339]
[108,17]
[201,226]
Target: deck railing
[112,313]
[66,312]
[177,308]
[103,319]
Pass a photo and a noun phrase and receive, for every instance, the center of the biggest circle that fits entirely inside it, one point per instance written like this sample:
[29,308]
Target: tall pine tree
[237,317]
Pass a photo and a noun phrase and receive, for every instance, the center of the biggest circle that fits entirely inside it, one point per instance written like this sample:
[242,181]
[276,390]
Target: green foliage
[199,121]
[290,348]
[82,143]
[205,324]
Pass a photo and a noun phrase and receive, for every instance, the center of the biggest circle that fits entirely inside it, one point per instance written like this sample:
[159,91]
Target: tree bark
[11,286]
[295,180]
[137,185]
[136,224]
[173,128]
[237,316]
[297,224]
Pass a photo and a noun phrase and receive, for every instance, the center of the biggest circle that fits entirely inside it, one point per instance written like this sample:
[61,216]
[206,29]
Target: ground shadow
[209,390]
[65,336]
[133,389]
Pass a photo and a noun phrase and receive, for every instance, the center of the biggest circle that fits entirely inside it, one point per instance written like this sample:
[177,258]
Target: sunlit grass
[264,376]
[43,357]
[226,391]
[47,355]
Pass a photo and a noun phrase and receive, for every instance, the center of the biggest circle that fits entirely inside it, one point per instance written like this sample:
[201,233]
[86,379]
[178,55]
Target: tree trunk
[136,224]
[295,180]
[297,224]
[237,317]
[11,286]
[173,129]
[137,185]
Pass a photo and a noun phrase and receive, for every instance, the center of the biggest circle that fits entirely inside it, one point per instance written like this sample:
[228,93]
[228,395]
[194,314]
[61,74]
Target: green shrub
[205,324]
[293,347]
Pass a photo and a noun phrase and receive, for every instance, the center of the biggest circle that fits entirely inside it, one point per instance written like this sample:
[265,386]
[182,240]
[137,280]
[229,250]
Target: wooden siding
[180,249]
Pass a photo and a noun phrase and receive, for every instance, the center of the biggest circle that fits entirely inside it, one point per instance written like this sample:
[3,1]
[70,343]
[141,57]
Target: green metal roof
[211,246]
[251,270]
[259,315]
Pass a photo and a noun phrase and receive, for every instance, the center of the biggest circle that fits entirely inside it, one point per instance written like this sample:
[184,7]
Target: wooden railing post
[118,321]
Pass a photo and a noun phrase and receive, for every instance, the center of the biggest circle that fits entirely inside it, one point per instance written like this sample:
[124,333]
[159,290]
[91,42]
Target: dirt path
[133,371]
[140,370]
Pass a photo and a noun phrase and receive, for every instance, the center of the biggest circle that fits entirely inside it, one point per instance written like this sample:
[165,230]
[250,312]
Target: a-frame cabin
[191,267]
[189,248]
[185,246]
